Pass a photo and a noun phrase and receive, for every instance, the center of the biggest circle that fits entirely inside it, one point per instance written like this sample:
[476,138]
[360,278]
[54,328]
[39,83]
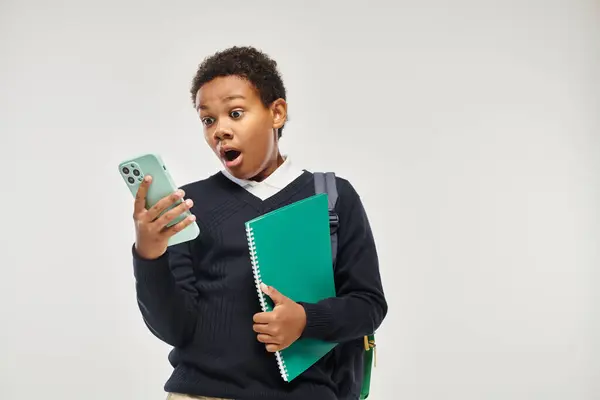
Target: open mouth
[231,155]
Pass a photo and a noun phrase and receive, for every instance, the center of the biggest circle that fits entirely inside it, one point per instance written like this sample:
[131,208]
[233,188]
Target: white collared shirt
[279,179]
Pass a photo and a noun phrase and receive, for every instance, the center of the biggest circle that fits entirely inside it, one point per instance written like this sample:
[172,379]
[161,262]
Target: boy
[199,296]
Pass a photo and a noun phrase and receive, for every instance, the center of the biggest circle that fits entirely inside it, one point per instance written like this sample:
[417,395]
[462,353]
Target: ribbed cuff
[146,270]
[319,320]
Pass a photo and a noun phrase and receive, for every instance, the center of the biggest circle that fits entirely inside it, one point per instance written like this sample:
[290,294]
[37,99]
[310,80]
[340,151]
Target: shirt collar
[280,178]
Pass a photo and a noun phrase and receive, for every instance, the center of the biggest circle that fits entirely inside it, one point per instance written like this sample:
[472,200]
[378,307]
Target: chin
[246,175]
[239,172]
[242,169]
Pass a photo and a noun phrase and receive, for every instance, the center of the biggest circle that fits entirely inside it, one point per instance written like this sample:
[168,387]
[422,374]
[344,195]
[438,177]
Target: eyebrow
[228,98]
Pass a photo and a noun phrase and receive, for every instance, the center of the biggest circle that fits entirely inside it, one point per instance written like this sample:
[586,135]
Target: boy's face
[241,131]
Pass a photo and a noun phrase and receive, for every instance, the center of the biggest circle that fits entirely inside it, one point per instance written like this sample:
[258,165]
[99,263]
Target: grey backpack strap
[326,183]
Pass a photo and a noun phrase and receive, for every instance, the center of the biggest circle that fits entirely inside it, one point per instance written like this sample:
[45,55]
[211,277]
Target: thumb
[273,293]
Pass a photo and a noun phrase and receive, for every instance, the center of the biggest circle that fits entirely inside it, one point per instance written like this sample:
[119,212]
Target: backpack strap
[325,183]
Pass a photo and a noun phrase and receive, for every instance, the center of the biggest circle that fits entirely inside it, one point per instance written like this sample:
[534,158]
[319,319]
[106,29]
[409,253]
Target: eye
[207,121]
[236,114]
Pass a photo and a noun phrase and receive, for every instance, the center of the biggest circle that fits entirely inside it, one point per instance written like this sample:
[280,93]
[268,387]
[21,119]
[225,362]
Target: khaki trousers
[177,396]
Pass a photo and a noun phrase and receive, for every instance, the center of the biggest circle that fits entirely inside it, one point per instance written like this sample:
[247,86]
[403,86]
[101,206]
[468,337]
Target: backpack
[325,182]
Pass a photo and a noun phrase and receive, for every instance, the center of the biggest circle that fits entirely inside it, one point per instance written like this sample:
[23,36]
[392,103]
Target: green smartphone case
[133,172]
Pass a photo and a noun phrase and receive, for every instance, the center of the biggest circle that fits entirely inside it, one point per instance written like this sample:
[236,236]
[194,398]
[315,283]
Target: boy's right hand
[152,234]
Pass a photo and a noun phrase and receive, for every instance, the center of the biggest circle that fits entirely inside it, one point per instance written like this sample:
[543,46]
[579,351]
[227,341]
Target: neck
[273,164]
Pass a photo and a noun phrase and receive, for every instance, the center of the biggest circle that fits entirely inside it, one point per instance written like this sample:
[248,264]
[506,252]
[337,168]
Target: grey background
[471,131]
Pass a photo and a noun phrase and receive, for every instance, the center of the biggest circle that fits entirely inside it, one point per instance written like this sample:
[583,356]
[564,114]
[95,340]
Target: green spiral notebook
[290,250]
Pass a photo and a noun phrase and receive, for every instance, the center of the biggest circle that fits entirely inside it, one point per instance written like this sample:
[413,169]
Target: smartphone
[133,172]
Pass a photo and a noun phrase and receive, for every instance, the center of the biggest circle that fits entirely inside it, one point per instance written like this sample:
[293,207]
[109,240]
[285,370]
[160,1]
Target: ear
[279,113]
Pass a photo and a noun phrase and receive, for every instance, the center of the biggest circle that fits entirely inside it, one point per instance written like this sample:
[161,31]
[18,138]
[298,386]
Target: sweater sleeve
[166,294]
[360,305]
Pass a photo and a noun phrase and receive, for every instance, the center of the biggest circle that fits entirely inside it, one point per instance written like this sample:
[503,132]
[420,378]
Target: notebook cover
[290,250]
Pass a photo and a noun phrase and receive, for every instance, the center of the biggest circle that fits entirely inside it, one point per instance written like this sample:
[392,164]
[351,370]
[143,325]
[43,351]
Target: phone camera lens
[136,172]
[131,180]
[125,170]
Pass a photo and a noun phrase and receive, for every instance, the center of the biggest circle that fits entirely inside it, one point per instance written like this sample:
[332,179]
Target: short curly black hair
[246,62]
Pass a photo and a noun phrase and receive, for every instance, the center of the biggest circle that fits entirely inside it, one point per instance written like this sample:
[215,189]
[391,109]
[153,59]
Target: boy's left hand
[281,327]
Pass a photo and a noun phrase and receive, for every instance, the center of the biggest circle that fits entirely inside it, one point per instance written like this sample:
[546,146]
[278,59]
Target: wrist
[318,320]
[302,317]
[148,253]
[149,270]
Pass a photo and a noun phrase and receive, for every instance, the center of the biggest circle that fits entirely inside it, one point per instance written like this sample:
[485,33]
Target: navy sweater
[200,298]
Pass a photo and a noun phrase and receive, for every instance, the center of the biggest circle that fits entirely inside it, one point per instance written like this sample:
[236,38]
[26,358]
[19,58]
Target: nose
[222,132]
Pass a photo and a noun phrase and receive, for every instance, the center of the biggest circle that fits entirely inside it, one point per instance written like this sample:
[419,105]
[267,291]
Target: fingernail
[147,178]
[180,193]
[189,202]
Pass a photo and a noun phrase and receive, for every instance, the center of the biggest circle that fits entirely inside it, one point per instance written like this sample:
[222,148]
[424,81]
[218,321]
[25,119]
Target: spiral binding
[261,296]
